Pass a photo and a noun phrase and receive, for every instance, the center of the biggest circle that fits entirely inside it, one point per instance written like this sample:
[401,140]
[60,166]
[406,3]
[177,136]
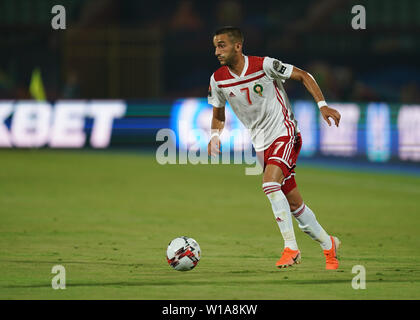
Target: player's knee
[294,198]
[278,181]
[273,173]
[294,205]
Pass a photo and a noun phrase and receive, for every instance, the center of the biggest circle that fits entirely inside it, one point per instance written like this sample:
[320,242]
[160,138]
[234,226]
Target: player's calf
[309,224]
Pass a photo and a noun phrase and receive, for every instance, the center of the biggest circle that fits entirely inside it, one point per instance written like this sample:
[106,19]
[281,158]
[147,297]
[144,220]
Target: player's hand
[214,146]
[328,112]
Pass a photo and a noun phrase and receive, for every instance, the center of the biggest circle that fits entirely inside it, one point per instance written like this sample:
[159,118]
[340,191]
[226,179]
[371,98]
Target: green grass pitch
[108,217]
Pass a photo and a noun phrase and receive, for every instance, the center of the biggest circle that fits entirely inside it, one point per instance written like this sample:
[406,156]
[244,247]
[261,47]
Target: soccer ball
[183,253]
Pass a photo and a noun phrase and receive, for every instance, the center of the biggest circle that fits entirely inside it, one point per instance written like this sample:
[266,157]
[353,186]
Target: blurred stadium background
[162,49]
[151,54]
[124,69]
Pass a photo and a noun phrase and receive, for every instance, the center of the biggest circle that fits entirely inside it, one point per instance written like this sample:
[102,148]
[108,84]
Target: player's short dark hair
[234,33]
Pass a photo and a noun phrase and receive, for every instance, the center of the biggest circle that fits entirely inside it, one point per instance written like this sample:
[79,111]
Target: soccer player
[253,86]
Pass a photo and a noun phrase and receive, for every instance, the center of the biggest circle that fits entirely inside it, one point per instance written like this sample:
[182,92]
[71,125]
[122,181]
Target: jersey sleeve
[215,97]
[277,69]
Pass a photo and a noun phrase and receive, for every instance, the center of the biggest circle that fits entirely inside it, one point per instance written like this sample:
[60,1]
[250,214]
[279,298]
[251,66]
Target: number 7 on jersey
[247,94]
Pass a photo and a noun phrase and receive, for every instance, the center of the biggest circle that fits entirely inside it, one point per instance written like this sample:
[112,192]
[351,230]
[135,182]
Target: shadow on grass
[104,262]
[201,283]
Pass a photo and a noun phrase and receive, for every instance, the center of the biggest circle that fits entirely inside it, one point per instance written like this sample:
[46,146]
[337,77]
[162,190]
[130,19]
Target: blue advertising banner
[377,132]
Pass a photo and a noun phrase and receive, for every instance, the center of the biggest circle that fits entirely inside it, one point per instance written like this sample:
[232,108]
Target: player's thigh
[295,199]
[273,173]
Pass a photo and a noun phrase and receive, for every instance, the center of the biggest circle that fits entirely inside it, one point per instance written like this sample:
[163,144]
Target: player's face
[226,50]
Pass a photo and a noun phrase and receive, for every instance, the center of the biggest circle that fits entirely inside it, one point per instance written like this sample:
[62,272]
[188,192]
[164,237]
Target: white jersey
[257,97]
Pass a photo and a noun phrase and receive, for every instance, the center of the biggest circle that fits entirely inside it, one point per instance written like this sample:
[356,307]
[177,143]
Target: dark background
[163,49]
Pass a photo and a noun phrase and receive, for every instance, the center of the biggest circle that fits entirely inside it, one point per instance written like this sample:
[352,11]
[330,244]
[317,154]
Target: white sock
[281,210]
[309,225]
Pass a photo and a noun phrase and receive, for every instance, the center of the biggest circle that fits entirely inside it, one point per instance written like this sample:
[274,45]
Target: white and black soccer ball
[183,253]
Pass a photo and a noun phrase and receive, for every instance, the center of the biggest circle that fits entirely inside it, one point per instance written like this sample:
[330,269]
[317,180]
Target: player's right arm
[217,125]
[218,101]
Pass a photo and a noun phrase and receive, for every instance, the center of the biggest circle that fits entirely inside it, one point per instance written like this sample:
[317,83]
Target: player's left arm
[313,88]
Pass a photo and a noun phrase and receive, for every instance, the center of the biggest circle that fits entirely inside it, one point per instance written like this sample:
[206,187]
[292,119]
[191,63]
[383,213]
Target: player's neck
[238,65]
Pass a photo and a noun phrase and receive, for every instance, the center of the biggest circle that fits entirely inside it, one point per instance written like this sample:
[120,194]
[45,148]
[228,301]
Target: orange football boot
[331,255]
[288,258]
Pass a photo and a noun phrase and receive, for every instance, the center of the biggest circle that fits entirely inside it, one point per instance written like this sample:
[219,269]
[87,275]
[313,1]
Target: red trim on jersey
[283,109]
[292,126]
[288,124]
[255,64]
[288,148]
[222,74]
[240,82]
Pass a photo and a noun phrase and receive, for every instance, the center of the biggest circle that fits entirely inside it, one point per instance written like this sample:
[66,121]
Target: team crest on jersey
[258,89]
